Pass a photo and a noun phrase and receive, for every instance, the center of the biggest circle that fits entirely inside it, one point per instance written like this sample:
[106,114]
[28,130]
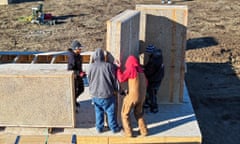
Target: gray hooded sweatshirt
[102,76]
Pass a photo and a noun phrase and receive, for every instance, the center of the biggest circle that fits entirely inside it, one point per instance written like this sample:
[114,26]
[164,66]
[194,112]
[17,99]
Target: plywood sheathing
[123,40]
[36,97]
[123,35]
[166,27]
[4,2]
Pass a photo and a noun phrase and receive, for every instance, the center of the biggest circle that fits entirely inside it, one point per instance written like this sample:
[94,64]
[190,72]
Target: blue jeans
[105,105]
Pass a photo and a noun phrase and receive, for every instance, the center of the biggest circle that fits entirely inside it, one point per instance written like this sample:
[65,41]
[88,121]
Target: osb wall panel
[4,2]
[123,35]
[36,98]
[165,27]
[123,40]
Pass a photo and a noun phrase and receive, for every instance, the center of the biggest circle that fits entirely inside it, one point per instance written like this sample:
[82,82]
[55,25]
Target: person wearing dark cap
[150,48]
[154,71]
[75,64]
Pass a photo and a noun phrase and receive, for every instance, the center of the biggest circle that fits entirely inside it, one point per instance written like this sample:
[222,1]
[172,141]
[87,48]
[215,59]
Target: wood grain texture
[166,28]
[39,98]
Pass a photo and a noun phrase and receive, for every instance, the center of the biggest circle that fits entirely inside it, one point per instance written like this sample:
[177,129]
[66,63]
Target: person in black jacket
[75,64]
[154,71]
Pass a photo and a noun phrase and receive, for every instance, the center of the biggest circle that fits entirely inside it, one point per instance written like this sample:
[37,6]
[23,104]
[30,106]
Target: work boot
[154,109]
[116,130]
[142,127]
[143,132]
[77,107]
[128,134]
[99,131]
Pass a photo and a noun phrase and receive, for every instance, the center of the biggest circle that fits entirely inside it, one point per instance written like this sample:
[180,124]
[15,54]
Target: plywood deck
[174,123]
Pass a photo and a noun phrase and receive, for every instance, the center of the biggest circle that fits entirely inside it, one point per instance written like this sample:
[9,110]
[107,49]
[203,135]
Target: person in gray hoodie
[103,86]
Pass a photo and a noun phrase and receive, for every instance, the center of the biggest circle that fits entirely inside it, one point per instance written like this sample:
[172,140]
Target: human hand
[117,63]
[82,74]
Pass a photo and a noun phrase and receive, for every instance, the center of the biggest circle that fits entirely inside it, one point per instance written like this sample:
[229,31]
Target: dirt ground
[212,54]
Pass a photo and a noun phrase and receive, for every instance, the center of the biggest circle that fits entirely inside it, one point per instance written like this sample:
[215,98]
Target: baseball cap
[76,45]
[150,48]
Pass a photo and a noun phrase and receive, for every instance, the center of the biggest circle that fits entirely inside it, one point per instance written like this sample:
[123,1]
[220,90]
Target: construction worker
[135,97]
[154,71]
[75,64]
[103,85]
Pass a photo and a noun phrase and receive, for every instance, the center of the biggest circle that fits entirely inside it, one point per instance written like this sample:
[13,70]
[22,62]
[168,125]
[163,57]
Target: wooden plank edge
[149,139]
[25,139]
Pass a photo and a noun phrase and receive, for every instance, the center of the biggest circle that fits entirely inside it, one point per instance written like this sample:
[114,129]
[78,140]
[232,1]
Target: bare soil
[212,54]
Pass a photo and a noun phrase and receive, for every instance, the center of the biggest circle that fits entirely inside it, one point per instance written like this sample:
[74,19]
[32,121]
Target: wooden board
[37,98]
[4,2]
[123,40]
[166,28]
[123,35]
[39,57]
[41,139]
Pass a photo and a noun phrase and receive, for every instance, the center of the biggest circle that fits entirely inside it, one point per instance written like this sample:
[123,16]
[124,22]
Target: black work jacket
[74,62]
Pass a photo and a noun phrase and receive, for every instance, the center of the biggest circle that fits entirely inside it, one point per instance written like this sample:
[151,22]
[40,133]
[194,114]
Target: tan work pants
[128,105]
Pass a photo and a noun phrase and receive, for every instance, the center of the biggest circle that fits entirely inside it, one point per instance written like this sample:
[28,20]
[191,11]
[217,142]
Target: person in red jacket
[134,99]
